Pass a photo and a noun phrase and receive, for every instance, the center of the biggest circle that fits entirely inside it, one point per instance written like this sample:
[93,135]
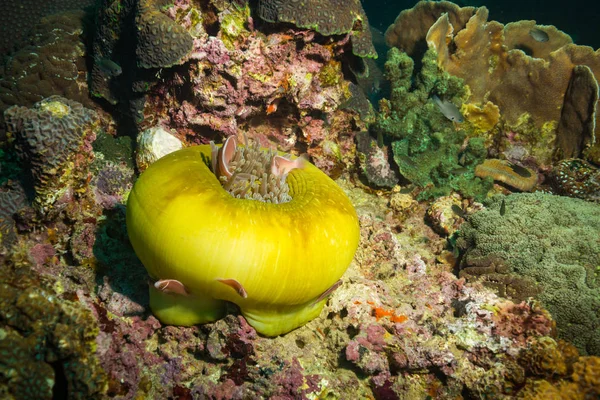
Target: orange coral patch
[381,313]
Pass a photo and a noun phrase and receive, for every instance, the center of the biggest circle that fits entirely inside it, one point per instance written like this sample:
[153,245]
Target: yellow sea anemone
[203,246]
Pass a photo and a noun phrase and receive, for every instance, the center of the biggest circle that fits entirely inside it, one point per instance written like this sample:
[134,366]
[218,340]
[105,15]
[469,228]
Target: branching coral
[160,42]
[550,241]
[277,262]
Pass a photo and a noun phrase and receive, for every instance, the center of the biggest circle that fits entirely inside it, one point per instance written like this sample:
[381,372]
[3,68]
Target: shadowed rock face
[17,18]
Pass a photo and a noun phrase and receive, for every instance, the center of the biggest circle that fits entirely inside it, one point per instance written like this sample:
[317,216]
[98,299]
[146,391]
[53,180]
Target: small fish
[109,67]
[235,285]
[449,110]
[503,208]
[328,292]
[224,154]
[407,160]
[522,171]
[171,286]
[281,166]
[458,210]
[272,107]
[459,171]
[539,35]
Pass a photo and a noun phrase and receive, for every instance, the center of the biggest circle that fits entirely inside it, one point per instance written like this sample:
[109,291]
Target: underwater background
[285,199]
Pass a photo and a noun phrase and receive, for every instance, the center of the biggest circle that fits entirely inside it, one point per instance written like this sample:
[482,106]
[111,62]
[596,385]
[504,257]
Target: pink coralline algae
[282,89]
[212,50]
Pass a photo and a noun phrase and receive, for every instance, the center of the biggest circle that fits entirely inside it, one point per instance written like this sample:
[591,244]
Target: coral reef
[544,90]
[54,139]
[52,64]
[576,178]
[401,326]
[329,17]
[431,151]
[513,175]
[409,30]
[142,28]
[160,41]
[19,18]
[111,25]
[112,183]
[446,214]
[11,200]
[47,341]
[76,311]
[576,128]
[541,243]
[282,87]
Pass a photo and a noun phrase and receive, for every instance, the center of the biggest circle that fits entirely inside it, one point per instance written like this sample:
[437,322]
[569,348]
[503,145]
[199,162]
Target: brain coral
[19,17]
[156,40]
[49,137]
[52,64]
[551,242]
[329,17]
[161,42]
